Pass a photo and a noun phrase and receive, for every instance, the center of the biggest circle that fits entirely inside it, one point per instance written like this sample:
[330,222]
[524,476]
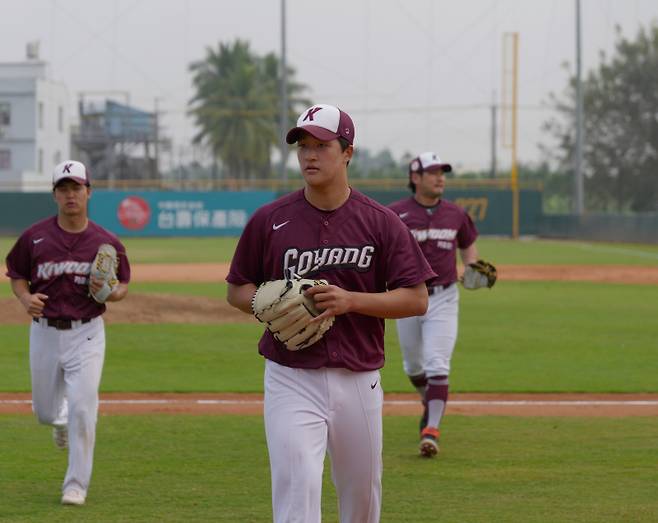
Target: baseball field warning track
[216,272]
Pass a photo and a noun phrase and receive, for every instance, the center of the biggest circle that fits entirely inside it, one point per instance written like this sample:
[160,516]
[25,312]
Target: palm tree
[236,107]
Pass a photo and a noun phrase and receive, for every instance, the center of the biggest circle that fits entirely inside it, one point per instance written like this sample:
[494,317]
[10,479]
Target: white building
[34,126]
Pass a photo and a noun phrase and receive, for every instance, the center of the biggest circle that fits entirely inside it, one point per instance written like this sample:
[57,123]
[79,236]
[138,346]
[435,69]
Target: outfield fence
[140,212]
[638,228]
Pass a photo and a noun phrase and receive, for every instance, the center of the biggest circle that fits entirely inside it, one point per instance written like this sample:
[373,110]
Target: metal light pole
[283,116]
[578,206]
[492,172]
[510,110]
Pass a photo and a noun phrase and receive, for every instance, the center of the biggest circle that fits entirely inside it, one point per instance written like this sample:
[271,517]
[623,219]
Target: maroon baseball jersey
[361,246]
[440,231]
[57,263]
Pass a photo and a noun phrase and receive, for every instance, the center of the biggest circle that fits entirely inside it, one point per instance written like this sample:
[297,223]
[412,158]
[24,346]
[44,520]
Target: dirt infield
[216,272]
[472,404]
[149,308]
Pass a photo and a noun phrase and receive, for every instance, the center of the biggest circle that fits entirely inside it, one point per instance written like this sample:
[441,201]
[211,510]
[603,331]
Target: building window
[60,119]
[5,159]
[5,113]
[58,158]
[40,161]
[40,115]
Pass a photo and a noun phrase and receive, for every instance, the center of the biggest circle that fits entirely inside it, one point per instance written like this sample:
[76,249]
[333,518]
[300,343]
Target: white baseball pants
[66,367]
[428,341]
[309,412]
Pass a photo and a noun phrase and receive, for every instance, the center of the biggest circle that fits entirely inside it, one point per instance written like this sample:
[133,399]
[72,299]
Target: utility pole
[283,116]
[156,141]
[579,206]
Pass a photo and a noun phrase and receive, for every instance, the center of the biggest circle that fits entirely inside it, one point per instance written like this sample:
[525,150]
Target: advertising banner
[181,213]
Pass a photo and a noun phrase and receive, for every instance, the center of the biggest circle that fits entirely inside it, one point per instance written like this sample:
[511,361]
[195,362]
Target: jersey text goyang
[302,262]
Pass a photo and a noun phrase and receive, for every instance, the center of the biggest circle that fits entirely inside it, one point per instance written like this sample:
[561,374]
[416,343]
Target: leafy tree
[620,155]
[380,165]
[236,107]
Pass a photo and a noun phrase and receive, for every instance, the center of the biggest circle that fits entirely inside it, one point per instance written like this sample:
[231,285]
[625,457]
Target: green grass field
[492,469]
[579,337]
[519,336]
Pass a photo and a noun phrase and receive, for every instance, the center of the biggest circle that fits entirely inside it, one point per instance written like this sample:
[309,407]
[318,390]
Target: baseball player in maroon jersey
[328,397]
[427,341]
[49,267]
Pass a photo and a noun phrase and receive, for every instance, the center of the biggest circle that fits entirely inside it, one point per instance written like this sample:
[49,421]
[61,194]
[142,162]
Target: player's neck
[72,223]
[427,201]
[327,198]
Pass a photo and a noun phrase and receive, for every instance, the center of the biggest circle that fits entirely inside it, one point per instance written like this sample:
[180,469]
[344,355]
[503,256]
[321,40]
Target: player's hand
[95,284]
[34,303]
[331,300]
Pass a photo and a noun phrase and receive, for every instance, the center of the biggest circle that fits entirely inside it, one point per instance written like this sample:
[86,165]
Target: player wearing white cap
[50,267]
[441,228]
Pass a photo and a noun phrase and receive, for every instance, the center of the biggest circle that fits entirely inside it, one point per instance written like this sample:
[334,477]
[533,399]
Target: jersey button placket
[326,224]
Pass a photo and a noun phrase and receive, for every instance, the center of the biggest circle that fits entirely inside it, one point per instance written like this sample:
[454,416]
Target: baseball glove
[282,306]
[104,267]
[478,275]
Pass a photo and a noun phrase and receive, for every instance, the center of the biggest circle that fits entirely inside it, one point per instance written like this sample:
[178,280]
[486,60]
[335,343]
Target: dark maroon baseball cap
[324,122]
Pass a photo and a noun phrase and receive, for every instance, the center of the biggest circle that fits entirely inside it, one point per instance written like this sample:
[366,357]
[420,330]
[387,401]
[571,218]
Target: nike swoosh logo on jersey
[38,240]
[402,215]
[276,227]
[373,385]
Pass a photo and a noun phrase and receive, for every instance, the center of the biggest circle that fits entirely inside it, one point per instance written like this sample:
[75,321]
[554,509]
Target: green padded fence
[20,210]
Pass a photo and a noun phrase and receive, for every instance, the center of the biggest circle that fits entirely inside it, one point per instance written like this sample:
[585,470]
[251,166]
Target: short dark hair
[344,144]
[411,184]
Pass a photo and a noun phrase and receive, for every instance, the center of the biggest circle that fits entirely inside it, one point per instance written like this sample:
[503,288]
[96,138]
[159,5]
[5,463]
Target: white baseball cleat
[73,497]
[61,437]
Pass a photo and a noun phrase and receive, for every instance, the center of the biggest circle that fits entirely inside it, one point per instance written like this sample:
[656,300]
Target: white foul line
[503,403]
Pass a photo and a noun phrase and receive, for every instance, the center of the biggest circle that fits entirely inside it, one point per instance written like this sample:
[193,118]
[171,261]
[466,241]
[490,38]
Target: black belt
[436,288]
[60,325]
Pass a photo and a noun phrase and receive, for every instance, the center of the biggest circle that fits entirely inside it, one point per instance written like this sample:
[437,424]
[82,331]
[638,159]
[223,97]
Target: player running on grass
[50,267]
[428,341]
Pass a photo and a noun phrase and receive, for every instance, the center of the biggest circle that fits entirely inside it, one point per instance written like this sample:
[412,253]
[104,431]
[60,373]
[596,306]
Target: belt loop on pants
[59,324]
[434,289]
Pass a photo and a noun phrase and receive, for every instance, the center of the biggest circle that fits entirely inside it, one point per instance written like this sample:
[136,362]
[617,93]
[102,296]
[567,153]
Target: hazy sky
[415,74]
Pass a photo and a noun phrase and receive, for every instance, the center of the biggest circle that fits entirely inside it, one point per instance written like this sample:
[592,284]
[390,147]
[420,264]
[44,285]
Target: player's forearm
[239,296]
[398,303]
[469,254]
[119,293]
[20,288]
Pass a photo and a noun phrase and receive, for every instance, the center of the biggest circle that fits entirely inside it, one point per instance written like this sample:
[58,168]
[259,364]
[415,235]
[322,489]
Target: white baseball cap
[71,170]
[324,122]
[428,162]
